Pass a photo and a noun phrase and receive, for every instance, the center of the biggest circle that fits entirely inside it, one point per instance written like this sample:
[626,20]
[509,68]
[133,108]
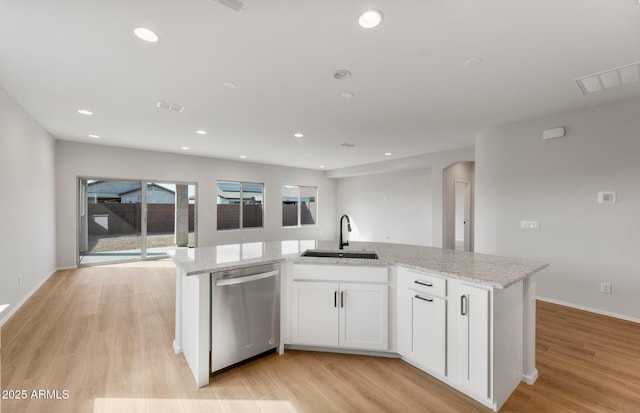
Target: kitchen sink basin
[369,255]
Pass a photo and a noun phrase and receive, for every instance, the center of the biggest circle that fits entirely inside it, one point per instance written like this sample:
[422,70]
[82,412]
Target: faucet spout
[342,242]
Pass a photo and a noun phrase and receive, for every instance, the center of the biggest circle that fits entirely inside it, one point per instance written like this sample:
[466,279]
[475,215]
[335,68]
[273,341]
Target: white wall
[87,160]
[520,176]
[391,207]
[27,240]
[433,163]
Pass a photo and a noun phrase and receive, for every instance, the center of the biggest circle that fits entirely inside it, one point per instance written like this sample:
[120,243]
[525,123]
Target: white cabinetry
[465,334]
[340,306]
[422,324]
[469,343]
[315,313]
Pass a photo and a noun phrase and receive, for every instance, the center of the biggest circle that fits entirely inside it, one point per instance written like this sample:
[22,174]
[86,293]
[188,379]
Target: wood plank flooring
[105,333]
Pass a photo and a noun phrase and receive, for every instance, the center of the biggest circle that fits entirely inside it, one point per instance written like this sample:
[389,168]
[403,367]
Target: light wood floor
[105,333]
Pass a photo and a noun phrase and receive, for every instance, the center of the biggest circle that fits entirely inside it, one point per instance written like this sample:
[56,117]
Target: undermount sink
[368,255]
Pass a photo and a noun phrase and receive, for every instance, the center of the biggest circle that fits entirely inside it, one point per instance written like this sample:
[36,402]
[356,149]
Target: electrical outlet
[605,287]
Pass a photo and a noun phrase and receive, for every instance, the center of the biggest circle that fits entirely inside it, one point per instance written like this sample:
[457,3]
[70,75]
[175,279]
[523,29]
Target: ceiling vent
[609,79]
[235,5]
[169,106]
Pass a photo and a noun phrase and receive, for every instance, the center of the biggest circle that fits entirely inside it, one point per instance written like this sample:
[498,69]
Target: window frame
[299,205]
[240,204]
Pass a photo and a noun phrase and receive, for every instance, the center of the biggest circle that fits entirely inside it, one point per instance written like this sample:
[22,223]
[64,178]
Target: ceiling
[412,92]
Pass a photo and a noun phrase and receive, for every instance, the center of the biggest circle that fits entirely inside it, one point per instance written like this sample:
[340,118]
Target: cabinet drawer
[424,282]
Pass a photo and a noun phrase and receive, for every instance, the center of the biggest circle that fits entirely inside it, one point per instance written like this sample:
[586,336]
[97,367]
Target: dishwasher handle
[245,279]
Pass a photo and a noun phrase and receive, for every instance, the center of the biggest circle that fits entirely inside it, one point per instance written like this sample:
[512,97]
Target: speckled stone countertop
[490,270]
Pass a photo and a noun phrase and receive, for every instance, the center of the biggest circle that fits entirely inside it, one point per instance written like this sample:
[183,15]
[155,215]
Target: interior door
[463,215]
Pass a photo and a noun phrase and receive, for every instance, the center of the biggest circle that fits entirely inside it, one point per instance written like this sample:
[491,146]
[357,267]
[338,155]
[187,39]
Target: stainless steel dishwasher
[245,314]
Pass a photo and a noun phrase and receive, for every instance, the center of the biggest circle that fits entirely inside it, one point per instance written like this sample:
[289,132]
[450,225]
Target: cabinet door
[473,339]
[428,342]
[315,313]
[364,316]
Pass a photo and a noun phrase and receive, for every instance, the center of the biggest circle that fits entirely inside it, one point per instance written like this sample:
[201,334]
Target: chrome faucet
[342,243]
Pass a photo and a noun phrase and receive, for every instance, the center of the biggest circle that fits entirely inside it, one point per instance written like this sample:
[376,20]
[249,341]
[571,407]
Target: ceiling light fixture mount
[146,34]
[370,19]
[341,74]
[474,61]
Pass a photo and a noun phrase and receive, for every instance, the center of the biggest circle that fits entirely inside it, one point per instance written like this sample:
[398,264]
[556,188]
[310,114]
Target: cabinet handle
[342,299]
[424,299]
[425,284]
[463,305]
[335,299]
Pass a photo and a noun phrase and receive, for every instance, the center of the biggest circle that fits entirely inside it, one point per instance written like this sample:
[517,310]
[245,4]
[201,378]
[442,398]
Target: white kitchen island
[467,319]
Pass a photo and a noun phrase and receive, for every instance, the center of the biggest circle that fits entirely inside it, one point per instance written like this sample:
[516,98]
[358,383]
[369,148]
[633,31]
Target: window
[239,205]
[299,205]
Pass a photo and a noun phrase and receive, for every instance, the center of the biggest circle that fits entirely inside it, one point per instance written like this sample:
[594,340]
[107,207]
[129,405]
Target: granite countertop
[490,270]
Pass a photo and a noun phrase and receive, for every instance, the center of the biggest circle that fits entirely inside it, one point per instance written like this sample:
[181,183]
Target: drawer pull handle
[425,284]
[430,300]
[464,309]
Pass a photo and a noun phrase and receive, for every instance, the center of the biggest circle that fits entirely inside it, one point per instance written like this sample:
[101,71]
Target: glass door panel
[110,221]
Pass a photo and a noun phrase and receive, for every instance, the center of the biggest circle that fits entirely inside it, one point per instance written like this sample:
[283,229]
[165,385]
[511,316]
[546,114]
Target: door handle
[464,305]
[335,299]
[341,299]
[430,300]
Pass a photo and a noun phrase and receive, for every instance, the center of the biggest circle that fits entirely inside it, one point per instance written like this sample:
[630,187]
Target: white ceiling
[412,91]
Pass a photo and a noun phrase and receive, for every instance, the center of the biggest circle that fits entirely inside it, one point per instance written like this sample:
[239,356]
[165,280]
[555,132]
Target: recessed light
[387,154]
[230,85]
[243,156]
[85,112]
[298,135]
[92,136]
[145,34]
[201,132]
[185,148]
[322,166]
[370,19]
[341,74]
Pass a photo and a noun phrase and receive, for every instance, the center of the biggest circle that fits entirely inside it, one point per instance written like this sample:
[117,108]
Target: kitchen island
[479,298]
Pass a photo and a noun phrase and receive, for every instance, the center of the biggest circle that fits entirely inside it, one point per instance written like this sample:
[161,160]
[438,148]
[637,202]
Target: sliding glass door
[132,220]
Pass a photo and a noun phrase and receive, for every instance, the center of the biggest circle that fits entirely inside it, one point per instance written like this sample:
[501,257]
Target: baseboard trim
[589,309]
[14,308]
[530,378]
